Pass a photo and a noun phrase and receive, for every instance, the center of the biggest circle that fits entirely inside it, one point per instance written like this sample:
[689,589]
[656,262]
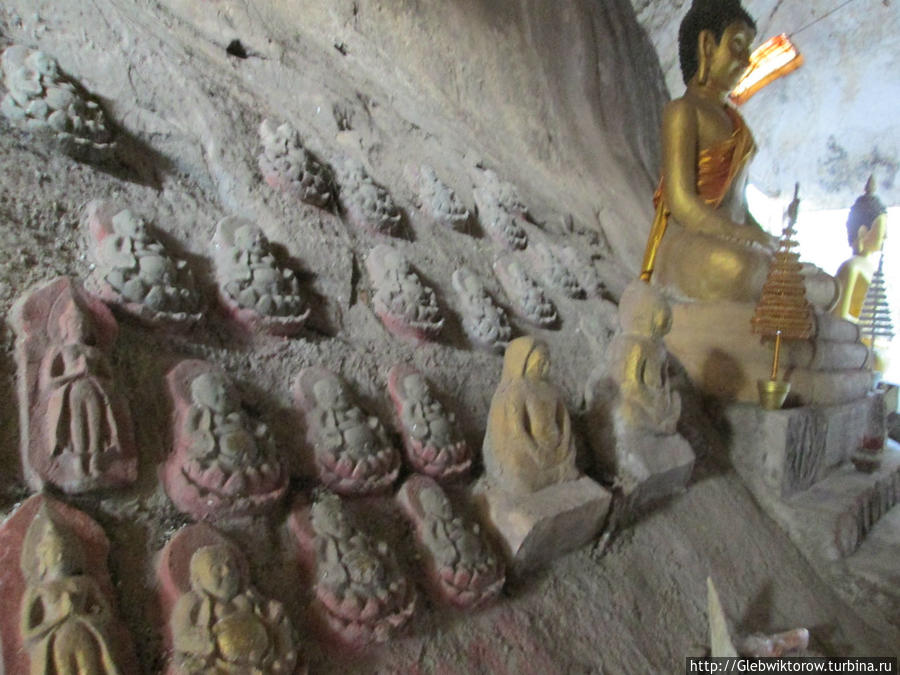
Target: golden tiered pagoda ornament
[875,317]
[783,312]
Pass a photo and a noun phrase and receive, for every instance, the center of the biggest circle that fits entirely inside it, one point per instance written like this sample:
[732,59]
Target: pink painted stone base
[350,622]
[449,462]
[63,338]
[464,584]
[12,583]
[206,492]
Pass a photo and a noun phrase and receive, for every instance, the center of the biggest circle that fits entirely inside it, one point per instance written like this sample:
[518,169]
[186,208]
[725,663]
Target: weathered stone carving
[43,101]
[432,442]
[498,221]
[632,408]
[404,304]
[532,493]
[288,166]
[217,622]
[528,444]
[439,201]
[502,193]
[484,322]
[59,595]
[526,295]
[461,567]
[353,455]
[361,597]
[254,287]
[76,429]
[555,272]
[134,272]
[222,463]
[368,205]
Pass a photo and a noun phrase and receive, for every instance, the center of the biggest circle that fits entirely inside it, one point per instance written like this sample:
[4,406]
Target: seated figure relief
[484,321]
[556,273]
[500,224]
[135,272]
[461,565]
[253,285]
[43,101]
[433,444]
[528,444]
[78,434]
[66,622]
[216,621]
[527,296]
[353,455]
[406,306]
[439,201]
[368,205]
[288,166]
[222,463]
[361,596]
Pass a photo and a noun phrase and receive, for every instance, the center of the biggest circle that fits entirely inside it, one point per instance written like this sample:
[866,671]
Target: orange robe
[717,167]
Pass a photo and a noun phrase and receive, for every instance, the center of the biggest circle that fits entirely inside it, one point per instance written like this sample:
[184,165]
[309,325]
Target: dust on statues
[500,211]
[632,409]
[432,442]
[532,494]
[352,451]
[407,307]
[463,569]
[222,463]
[256,289]
[60,603]
[134,272]
[41,100]
[367,205]
[76,431]
[438,200]
[361,595]
[706,250]
[528,298]
[291,168]
[484,321]
[216,622]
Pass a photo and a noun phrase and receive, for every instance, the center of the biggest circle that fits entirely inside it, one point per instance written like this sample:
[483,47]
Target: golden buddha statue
[704,243]
[866,229]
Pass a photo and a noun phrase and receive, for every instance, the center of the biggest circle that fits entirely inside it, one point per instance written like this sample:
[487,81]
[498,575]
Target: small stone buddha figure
[254,280]
[529,443]
[704,244]
[81,424]
[866,229]
[423,416]
[446,536]
[222,625]
[637,362]
[66,619]
[225,444]
[343,427]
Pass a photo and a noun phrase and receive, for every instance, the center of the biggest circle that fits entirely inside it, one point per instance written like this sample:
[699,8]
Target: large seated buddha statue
[707,251]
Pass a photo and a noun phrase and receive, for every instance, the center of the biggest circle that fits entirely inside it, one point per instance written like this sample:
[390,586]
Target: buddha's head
[714,43]
[327,515]
[250,238]
[537,366]
[435,503]
[867,222]
[216,571]
[329,393]
[128,225]
[211,390]
[415,386]
[50,551]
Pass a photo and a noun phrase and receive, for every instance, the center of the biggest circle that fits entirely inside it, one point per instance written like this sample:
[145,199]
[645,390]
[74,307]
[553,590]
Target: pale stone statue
[288,166]
[527,296]
[222,625]
[484,322]
[81,423]
[353,454]
[439,200]
[866,230]
[66,619]
[556,273]
[42,100]
[637,361]
[254,280]
[461,565]
[529,443]
[405,305]
[359,586]
[704,243]
[367,204]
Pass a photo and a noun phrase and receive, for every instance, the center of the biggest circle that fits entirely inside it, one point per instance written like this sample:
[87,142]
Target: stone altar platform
[713,342]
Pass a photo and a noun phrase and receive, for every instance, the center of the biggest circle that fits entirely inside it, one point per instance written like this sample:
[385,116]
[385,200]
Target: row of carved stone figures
[214,620]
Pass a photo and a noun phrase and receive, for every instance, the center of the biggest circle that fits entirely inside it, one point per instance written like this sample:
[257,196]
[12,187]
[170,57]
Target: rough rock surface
[531,89]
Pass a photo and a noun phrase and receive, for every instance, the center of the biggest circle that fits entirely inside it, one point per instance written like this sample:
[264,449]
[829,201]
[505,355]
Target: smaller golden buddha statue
[529,444]
[866,230]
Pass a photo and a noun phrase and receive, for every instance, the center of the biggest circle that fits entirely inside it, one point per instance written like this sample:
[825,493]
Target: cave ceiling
[833,121]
